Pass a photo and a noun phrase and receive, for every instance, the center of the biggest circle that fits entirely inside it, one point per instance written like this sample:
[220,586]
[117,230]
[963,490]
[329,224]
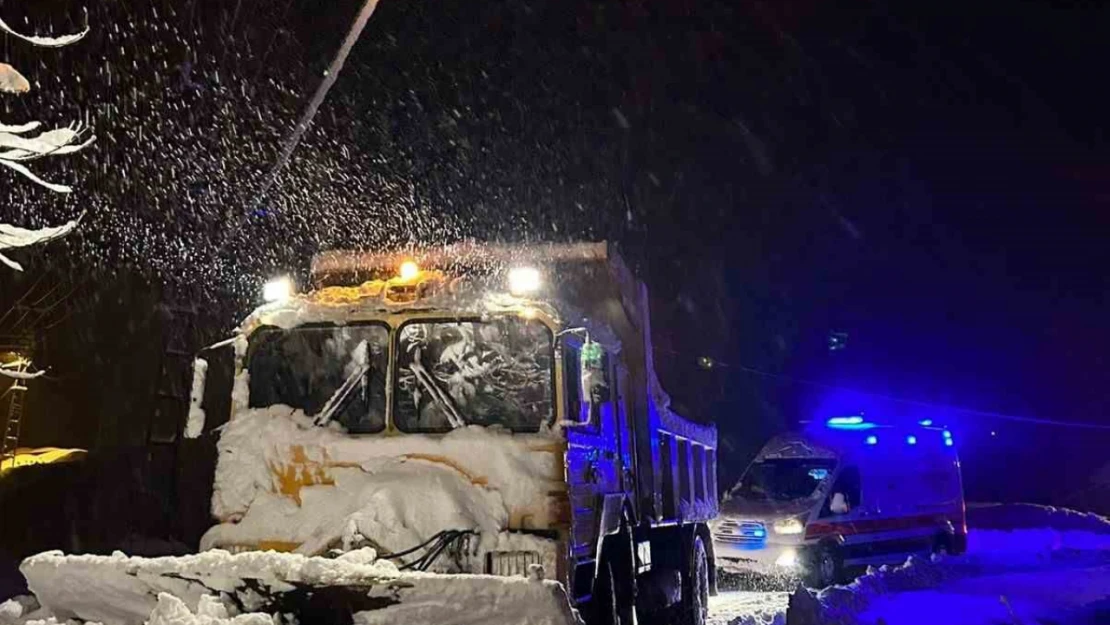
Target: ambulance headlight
[788,526]
[524,280]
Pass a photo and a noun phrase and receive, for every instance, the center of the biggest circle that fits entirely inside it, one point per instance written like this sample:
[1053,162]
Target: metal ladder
[14,422]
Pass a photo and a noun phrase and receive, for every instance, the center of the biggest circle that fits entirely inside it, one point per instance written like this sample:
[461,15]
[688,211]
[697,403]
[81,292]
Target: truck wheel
[824,568]
[610,606]
[695,593]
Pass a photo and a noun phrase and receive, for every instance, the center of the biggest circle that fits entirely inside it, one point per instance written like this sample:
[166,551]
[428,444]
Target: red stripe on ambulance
[871,526]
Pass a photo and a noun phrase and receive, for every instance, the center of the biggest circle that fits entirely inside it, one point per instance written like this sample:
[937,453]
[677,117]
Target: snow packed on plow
[217,587]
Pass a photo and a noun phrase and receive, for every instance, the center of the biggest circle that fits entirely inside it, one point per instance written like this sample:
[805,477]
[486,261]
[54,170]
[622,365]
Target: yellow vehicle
[28,457]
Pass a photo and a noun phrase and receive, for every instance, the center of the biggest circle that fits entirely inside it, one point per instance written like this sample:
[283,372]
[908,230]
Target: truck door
[624,435]
[593,451]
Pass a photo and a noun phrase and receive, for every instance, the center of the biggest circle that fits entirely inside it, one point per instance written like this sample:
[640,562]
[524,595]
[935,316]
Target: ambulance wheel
[825,568]
[695,589]
[942,545]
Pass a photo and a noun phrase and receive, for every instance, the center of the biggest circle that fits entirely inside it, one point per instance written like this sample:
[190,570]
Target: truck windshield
[331,373]
[784,479]
[456,373]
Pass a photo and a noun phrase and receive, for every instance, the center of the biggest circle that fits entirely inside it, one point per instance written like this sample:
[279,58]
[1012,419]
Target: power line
[332,75]
[910,402]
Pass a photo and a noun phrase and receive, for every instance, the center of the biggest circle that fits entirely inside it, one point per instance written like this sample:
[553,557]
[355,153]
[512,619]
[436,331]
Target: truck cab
[471,409]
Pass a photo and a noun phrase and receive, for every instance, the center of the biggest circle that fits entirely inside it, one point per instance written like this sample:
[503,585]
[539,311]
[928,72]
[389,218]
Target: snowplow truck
[477,409]
[472,409]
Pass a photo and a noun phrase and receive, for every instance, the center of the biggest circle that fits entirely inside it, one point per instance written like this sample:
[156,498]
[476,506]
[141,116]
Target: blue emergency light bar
[849,423]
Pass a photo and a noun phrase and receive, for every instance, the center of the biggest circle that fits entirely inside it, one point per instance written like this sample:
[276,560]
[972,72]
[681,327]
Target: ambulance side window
[844,496]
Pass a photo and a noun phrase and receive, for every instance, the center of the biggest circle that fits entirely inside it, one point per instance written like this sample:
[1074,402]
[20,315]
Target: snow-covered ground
[742,607]
[1022,576]
[1044,596]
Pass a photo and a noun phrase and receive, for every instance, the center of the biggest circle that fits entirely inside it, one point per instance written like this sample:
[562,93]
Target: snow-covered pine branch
[18,146]
[12,237]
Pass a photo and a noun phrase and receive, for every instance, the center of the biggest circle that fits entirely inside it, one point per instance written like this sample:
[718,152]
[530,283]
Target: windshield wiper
[338,399]
[428,382]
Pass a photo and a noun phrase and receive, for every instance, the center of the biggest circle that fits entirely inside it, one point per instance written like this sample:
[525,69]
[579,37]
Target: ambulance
[840,495]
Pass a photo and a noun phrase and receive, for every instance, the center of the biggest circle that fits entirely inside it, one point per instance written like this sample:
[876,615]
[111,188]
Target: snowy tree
[20,144]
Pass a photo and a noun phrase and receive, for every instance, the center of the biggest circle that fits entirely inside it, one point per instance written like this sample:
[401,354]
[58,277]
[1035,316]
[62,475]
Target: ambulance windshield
[784,479]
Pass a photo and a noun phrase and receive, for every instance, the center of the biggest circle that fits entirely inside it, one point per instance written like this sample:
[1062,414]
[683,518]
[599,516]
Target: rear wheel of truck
[695,588]
[610,605]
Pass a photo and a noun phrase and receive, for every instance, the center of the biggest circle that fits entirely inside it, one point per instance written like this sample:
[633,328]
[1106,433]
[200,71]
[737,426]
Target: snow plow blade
[354,588]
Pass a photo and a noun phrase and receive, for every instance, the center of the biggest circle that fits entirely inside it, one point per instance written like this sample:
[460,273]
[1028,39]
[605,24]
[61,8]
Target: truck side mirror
[839,504]
[592,361]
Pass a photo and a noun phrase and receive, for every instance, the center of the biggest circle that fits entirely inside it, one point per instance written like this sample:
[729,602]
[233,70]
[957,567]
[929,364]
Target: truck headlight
[788,526]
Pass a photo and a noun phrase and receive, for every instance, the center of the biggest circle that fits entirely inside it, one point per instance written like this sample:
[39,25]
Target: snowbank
[989,551]
[1044,541]
[247,589]
[1010,516]
[1049,596]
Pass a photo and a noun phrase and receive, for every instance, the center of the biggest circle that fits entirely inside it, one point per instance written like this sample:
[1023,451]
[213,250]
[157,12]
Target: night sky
[933,180]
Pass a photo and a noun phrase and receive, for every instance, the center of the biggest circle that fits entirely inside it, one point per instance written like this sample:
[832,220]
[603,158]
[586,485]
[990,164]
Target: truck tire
[610,605]
[695,589]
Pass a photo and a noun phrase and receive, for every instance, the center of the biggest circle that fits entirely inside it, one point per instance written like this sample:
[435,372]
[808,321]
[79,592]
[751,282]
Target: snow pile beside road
[1011,516]
[1039,541]
[218,588]
[988,550]
[841,605]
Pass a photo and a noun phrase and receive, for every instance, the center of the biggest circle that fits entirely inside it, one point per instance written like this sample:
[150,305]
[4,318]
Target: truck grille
[740,532]
[511,563]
